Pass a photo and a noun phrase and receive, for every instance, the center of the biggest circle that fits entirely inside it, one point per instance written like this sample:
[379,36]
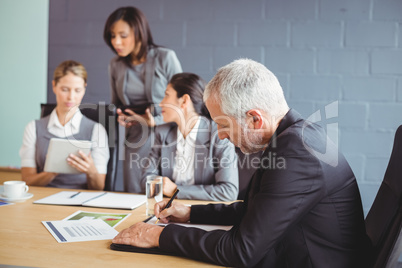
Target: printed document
[112,219]
[76,231]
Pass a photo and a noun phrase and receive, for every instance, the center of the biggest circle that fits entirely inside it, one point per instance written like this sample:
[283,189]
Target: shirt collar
[192,135]
[74,122]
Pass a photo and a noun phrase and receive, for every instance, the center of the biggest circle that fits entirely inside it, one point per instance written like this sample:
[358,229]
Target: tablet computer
[138,109]
[58,151]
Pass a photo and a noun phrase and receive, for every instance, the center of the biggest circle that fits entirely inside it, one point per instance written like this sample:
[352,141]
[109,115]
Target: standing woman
[139,75]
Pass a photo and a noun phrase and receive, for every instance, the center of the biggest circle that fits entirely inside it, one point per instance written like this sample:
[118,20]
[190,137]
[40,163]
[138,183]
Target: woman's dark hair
[192,85]
[138,23]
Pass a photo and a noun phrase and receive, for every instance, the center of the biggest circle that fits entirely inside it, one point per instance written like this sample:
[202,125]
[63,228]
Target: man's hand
[141,235]
[175,213]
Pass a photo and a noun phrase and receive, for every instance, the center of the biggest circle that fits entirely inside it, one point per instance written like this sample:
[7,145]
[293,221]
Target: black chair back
[104,114]
[384,220]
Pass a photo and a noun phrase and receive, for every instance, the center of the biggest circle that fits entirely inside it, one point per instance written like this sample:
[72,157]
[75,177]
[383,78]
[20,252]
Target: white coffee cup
[154,192]
[14,189]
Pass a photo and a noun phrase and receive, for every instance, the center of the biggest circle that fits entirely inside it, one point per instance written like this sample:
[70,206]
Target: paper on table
[94,199]
[206,227]
[112,200]
[68,198]
[75,231]
[5,203]
[112,219]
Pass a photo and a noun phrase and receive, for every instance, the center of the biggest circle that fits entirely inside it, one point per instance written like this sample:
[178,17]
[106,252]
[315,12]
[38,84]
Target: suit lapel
[169,152]
[122,81]
[149,73]
[254,186]
[201,149]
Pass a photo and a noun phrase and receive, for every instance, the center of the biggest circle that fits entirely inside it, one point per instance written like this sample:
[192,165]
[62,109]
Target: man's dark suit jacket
[303,212]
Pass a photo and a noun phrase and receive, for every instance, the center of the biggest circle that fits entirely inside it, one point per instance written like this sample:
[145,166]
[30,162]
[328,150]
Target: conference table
[26,242]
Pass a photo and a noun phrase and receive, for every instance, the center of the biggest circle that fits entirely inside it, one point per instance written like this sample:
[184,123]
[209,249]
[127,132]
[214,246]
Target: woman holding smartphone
[138,76]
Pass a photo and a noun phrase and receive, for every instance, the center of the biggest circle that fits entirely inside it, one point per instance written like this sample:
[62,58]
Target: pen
[170,202]
[146,220]
[74,195]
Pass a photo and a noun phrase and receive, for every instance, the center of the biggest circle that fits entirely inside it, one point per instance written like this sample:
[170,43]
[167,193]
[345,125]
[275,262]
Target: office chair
[384,220]
[104,114]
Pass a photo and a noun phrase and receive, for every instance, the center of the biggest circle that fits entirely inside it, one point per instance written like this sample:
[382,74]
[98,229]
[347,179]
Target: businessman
[303,206]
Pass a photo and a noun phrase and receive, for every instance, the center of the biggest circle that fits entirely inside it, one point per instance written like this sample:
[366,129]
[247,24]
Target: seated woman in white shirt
[187,152]
[66,121]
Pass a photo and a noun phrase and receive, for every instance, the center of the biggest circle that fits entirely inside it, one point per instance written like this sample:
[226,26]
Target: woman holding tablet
[188,152]
[138,75]
[66,122]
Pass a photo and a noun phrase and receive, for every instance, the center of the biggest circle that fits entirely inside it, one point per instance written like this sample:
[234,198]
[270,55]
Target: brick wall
[321,50]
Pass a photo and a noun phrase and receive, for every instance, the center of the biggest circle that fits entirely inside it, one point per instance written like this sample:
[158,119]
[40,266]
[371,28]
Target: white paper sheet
[75,231]
[95,199]
[68,198]
[114,200]
[112,219]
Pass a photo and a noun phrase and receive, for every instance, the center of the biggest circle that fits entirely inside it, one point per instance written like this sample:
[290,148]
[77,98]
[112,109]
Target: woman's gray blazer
[216,175]
[160,65]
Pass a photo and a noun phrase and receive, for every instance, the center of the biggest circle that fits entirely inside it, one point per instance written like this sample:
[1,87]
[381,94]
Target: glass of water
[154,192]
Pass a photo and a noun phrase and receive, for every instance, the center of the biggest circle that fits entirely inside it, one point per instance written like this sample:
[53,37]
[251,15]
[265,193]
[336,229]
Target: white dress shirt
[100,148]
[183,170]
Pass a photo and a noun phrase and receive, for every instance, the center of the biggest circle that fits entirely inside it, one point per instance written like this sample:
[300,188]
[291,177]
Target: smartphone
[138,109]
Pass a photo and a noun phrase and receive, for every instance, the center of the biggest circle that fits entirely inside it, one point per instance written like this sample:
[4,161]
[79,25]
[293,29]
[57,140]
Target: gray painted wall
[321,50]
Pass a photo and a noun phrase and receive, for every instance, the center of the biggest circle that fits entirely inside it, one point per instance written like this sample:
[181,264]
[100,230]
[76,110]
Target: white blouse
[183,170]
[100,147]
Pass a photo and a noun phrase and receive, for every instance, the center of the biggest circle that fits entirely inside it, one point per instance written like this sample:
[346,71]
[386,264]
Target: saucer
[21,198]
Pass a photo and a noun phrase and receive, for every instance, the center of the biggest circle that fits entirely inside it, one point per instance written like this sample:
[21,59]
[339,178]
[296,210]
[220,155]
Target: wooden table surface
[9,174]
[26,242]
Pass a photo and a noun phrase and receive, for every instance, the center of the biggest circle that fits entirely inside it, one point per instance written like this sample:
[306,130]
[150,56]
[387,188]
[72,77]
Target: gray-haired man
[301,210]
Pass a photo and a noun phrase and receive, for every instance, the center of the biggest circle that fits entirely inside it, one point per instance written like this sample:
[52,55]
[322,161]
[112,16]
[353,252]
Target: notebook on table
[94,199]
[128,248]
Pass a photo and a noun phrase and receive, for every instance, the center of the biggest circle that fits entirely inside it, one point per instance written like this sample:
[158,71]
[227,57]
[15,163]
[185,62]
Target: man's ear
[256,116]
